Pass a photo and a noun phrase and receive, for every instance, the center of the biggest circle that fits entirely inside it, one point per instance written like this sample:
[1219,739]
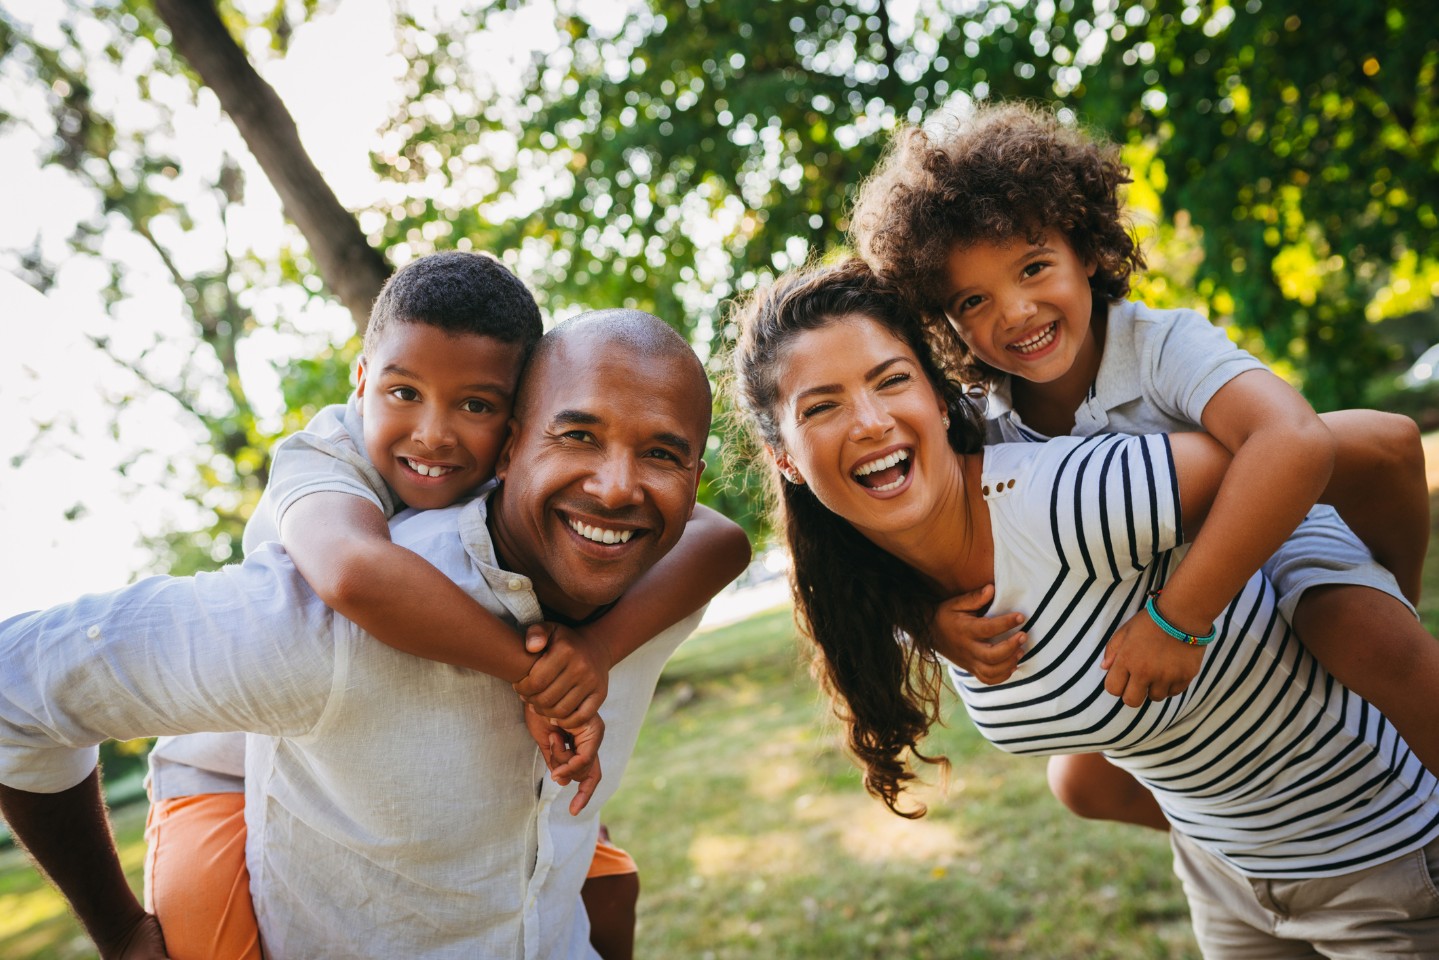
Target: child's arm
[1282,459]
[966,639]
[711,553]
[1385,449]
[341,545]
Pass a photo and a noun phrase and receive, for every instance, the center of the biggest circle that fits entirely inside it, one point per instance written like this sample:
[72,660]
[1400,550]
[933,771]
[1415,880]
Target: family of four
[391,730]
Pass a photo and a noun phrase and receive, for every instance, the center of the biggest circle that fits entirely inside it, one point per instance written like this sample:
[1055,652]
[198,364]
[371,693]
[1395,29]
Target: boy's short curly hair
[461,293]
[1001,171]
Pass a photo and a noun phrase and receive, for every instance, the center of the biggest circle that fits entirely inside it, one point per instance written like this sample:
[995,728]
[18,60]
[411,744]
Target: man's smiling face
[600,473]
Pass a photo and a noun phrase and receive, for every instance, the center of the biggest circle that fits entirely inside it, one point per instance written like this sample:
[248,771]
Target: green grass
[755,839]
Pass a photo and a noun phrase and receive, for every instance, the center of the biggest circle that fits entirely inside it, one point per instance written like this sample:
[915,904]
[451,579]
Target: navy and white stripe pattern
[1265,760]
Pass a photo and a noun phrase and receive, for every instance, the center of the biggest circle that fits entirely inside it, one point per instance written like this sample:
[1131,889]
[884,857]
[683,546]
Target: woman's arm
[341,546]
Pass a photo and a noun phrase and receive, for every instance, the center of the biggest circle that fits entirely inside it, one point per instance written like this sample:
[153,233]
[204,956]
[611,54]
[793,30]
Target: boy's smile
[1025,309]
[436,410]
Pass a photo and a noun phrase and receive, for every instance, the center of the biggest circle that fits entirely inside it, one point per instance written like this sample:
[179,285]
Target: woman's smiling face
[861,424]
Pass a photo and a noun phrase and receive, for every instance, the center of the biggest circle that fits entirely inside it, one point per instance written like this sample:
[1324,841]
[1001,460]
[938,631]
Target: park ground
[755,838]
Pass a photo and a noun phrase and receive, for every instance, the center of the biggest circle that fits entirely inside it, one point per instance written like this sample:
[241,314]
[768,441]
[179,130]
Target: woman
[1269,771]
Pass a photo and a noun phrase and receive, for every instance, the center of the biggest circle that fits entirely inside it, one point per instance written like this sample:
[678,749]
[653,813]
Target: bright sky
[338,82]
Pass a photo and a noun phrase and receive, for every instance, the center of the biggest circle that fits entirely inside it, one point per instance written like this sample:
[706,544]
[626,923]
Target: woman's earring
[794,478]
[945,420]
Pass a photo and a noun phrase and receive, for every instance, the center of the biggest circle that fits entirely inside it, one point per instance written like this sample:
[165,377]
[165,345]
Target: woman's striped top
[1265,760]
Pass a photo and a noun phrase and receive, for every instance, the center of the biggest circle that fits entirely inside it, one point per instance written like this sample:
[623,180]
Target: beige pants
[1391,910]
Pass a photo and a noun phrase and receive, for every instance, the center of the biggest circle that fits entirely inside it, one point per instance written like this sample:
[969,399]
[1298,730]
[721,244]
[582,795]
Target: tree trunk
[352,269]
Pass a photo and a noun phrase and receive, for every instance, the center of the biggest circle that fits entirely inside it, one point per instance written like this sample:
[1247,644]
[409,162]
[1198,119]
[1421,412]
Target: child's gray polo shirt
[1159,370]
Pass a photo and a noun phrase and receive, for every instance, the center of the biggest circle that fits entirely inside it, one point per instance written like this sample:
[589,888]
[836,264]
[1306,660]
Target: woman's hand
[970,642]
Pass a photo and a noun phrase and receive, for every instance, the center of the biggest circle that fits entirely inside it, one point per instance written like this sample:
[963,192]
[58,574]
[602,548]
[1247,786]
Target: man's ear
[502,465]
[696,498]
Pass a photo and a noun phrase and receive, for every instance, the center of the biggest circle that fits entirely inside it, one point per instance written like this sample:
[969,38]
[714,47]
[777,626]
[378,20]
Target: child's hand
[1145,663]
[968,641]
[570,754]
[570,679]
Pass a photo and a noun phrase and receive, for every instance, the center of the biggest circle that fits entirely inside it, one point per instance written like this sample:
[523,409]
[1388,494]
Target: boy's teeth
[1036,342]
[600,534]
[425,470]
[883,463]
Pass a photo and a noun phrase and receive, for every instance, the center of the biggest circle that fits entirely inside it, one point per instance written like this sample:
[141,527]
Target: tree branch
[350,267]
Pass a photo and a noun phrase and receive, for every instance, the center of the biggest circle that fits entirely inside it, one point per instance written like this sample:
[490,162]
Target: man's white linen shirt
[396,806]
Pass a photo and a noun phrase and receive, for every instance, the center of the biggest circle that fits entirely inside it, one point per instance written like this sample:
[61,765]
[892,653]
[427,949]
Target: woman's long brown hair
[866,612]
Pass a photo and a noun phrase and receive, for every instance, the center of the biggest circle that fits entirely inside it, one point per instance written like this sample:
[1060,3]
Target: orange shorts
[197,884]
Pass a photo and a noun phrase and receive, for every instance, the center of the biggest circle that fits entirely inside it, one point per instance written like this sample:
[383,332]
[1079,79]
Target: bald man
[396,806]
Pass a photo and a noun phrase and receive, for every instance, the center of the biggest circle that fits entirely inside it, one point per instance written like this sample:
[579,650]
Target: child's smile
[436,409]
[1025,309]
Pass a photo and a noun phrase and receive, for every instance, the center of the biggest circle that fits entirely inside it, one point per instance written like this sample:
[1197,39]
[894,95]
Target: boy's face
[601,472]
[1023,308]
[436,410]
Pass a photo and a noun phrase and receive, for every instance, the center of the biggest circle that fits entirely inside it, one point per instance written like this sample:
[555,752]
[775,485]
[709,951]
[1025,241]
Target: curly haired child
[1005,226]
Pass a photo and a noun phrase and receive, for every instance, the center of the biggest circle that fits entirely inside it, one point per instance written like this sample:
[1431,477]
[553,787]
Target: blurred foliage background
[669,154]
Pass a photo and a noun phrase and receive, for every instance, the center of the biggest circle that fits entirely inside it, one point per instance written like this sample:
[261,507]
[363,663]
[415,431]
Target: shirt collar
[1117,382]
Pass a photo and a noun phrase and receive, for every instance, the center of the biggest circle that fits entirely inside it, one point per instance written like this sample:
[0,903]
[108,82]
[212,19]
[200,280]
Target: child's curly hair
[1003,171]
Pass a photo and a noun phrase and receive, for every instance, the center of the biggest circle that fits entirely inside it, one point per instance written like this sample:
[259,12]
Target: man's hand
[570,755]
[570,679]
[144,941]
[968,641]
[1145,663]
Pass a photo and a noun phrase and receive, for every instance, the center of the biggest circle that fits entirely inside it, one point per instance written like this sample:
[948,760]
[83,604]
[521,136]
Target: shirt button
[516,584]
[93,632]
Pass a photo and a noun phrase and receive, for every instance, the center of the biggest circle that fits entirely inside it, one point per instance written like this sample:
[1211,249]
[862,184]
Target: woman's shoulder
[1065,461]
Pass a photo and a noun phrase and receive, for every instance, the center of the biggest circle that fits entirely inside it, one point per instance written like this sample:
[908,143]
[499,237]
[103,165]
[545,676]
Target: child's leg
[610,893]
[1372,643]
[1093,788]
[196,881]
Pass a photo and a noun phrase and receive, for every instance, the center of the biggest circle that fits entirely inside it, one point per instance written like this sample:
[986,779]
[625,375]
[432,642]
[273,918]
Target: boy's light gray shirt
[396,806]
[1159,370]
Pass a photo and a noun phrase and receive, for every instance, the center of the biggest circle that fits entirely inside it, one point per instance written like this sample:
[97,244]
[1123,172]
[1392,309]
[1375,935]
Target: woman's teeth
[1038,342]
[427,470]
[599,534]
[883,463]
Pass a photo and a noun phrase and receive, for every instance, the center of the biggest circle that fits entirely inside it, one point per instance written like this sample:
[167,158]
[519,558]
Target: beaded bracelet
[1171,629]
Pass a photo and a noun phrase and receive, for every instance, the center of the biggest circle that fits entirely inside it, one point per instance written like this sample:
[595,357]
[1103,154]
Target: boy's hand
[968,640]
[1145,663]
[569,755]
[570,679]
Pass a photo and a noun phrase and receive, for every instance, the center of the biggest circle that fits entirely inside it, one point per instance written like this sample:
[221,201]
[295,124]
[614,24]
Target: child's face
[1023,308]
[436,410]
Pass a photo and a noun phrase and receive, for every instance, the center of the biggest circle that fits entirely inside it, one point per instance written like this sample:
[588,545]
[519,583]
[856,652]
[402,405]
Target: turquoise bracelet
[1171,629]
